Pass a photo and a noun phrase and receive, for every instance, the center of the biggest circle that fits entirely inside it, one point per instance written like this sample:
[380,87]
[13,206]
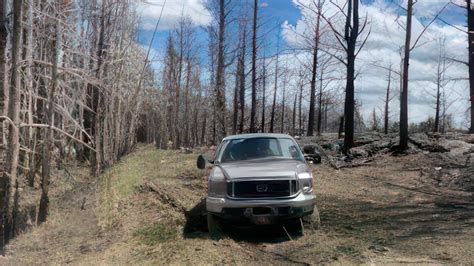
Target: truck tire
[313,220]
[214,227]
[317,159]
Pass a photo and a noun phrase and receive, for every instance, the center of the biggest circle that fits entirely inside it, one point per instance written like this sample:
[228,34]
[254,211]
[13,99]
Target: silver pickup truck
[261,178]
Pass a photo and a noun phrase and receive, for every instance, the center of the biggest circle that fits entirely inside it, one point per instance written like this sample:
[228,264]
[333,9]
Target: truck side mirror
[201,162]
[309,149]
[311,154]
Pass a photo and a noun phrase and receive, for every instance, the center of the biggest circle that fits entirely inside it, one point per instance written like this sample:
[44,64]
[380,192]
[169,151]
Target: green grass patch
[158,233]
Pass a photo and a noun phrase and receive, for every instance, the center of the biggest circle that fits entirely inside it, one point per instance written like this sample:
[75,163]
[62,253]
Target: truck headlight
[217,185]
[305,182]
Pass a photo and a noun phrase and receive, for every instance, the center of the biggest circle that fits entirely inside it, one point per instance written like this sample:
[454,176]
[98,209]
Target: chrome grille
[262,188]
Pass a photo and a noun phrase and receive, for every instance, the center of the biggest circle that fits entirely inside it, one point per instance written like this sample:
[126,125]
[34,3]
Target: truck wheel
[214,227]
[317,159]
[313,220]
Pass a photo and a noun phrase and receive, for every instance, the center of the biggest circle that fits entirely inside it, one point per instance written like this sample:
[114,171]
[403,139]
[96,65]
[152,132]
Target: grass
[145,164]
[158,233]
[149,163]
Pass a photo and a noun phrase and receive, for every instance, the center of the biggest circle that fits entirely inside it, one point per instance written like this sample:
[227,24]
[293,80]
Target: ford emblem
[261,188]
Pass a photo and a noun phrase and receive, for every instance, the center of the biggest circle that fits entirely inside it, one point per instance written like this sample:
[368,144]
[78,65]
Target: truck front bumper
[264,210]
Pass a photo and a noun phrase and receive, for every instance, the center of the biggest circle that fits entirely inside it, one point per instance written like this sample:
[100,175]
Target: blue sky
[382,47]
[272,14]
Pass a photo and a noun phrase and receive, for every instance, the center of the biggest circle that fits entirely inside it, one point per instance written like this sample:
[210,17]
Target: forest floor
[387,211]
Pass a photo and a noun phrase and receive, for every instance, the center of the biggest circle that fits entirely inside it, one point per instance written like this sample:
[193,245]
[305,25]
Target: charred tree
[387,102]
[438,97]
[320,102]
[441,82]
[3,48]
[403,145]
[220,72]
[293,123]
[470,30]
[48,138]
[264,88]
[348,40]
[341,127]
[253,107]
[235,103]
[242,90]
[404,90]
[351,34]
[242,77]
[4,179]
[8,182]
[300,102]
[239,90]
[283,100]
[275,90]
[312,102]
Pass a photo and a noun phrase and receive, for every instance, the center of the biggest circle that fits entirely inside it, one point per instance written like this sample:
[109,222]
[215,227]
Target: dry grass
[374,214]
[146,164]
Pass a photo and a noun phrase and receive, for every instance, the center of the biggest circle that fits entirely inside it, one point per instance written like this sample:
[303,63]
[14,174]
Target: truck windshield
[260,148]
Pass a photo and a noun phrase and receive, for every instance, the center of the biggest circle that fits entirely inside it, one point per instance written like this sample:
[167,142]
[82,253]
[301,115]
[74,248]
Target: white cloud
[383,48]
[173,10]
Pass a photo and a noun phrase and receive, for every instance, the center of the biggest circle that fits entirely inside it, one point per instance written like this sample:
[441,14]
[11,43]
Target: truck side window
[219,150]
[290,149]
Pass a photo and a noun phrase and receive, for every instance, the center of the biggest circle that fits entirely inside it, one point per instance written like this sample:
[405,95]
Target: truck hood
[263,169]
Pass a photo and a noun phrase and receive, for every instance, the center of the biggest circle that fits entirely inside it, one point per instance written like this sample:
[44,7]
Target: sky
[290,20]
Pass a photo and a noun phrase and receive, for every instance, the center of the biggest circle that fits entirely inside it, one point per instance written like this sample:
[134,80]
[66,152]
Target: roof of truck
[258,135]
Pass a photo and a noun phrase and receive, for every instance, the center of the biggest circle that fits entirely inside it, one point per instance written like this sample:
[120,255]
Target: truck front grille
[262,188]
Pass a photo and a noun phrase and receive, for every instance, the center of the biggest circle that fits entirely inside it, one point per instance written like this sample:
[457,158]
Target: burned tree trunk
[48,138]
[348,41]
[239,90]
[387,102]
[4,179]
[264,85]
[300,118]
[235,103]
[242,89]
[264,89]
[3,56]
[29,84]
[282,126]
[351,33]
[438,104]
[272,116]
[97,158]
[186,139]
[320,103]
[220,71]
[8,182]
[312,101]
[470,30]
[341,127]
[253,107]
[404,89]
[241,77]
[293,127]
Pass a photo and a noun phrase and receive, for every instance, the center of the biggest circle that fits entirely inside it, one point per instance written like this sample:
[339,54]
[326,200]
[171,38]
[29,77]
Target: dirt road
[386,212]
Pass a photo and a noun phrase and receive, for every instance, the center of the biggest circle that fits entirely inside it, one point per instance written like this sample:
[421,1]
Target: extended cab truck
[262,178]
